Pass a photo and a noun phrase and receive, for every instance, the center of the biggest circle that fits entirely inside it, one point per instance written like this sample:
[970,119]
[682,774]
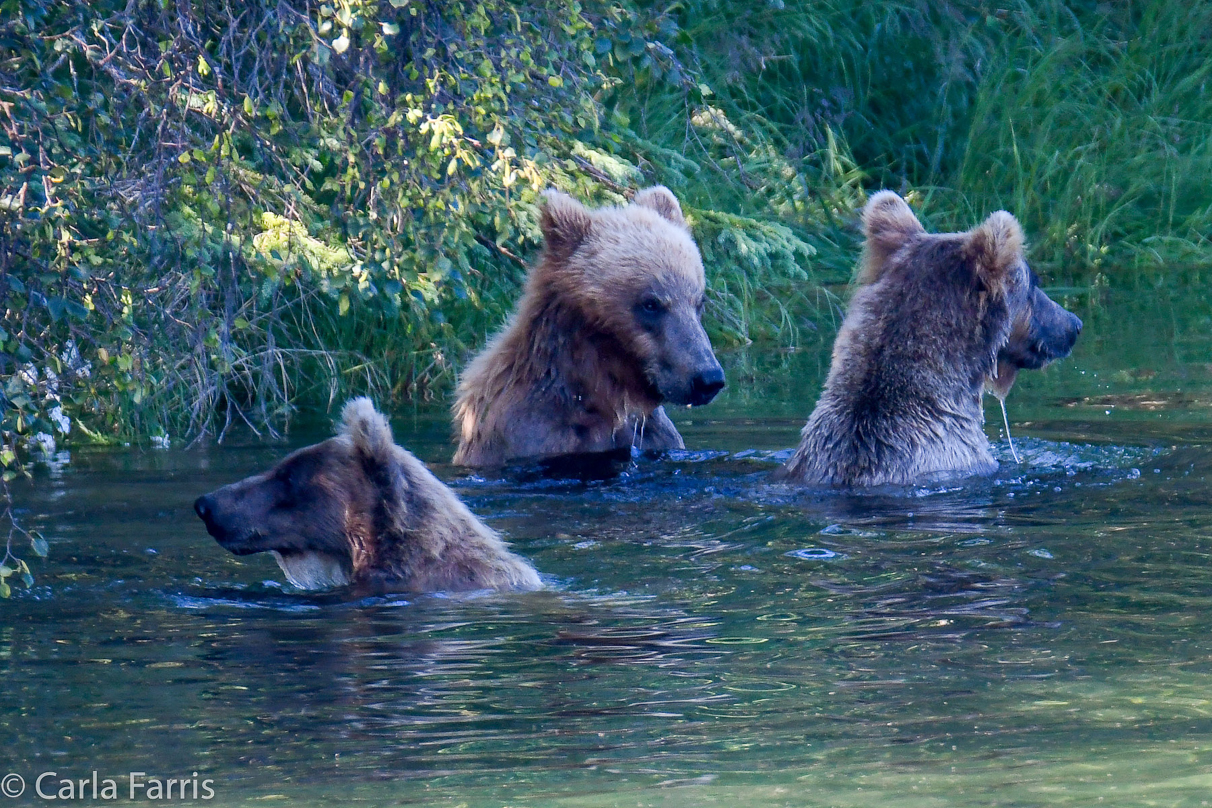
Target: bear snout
[208,510]
[204,506]
[1075,329]
[705,385]
[1058,341]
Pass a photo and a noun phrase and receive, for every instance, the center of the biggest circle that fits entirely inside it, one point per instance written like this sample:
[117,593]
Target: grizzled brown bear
[357,509]
[938,319]
[607,330]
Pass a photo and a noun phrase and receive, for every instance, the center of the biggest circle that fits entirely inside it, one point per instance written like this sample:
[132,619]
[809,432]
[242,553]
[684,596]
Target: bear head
[319,506]
[980,276]
[635,276]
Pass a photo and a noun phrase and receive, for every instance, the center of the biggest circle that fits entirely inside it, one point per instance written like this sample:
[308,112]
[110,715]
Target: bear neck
[580,365]
[416,534]
[902,401]
[556,381]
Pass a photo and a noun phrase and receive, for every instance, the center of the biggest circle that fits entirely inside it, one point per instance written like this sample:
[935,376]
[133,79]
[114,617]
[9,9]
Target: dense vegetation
[214,211]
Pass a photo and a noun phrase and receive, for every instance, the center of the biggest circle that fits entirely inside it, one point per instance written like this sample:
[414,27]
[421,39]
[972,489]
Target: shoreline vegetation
[213,213]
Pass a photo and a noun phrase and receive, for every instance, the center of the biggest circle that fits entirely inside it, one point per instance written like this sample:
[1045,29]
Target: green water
[1040,638]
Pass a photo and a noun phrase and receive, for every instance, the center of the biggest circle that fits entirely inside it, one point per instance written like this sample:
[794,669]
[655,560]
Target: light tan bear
[938,319]
[607,329]
[357,509]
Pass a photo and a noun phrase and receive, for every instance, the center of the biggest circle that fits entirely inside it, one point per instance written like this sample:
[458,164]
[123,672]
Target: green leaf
[57,306]
[341,44]
[6,570]
[27,579]
[5,590]
[39,546]
[390,28]
[343,304]
[249,109]
[75,310]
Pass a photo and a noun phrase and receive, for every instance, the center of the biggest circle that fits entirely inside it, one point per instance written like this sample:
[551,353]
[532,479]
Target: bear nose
[705,385]
[1075,330]
[204,507]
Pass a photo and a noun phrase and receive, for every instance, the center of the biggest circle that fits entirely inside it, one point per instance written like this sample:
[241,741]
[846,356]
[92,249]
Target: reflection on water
[707,636]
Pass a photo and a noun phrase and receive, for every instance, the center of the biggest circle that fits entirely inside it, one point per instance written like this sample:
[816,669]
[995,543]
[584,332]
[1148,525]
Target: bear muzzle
[1056,338]
[1050,334]
[705,385]
[241,542]
[690,388]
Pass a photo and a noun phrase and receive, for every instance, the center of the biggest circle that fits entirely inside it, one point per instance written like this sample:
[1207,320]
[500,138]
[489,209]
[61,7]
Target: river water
[1043,637]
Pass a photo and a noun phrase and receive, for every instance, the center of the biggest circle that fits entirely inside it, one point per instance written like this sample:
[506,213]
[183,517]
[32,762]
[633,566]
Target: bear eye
[652,306]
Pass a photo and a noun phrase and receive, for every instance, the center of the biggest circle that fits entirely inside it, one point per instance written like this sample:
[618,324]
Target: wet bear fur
[358,509]
[937,320]
[607,329]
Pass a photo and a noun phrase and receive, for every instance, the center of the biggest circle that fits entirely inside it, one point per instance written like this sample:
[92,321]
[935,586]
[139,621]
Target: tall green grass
[1096,130]
[1090,121]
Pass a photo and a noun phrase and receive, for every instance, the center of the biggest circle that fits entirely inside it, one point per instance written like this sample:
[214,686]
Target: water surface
[1043,637]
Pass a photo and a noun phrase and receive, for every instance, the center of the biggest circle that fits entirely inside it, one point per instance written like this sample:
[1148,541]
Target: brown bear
[606,330]
[937,320]
[357,509]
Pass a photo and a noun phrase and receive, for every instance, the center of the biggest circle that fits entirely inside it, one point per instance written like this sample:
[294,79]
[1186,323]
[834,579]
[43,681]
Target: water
[1040,638]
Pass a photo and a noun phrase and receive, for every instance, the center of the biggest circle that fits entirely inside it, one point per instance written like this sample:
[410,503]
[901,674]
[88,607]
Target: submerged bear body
[357,509]
[938,320]
[607,330]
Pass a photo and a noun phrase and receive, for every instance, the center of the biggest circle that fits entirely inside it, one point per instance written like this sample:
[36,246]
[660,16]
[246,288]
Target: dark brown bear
[607,329]
[939,318]
[357,509]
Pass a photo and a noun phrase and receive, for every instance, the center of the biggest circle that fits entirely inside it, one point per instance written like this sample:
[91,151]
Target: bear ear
[662,200]
[996,246]
[888,224]
[565,222]
[368,429]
